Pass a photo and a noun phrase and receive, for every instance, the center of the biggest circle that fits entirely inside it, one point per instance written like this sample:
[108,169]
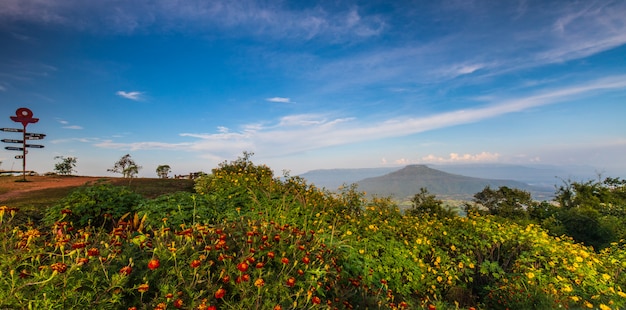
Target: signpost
[24,116]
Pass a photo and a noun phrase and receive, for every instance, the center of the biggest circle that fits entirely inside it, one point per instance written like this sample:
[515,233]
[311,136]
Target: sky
[315,84]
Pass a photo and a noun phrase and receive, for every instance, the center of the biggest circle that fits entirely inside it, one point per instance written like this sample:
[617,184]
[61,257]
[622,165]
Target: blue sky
[316,84]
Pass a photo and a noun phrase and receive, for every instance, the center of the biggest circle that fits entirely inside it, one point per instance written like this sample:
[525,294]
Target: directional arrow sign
[19,156]
[34,136]
[12,129]
[37,146]
[12,141]
[13,148]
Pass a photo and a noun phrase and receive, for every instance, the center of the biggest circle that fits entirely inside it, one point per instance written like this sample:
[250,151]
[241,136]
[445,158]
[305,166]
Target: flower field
[249,240]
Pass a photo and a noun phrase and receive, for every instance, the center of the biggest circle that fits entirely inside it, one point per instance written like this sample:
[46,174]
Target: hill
[407,182]
[333,178]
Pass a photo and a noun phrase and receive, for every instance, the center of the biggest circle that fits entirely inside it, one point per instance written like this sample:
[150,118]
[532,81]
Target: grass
[33,203]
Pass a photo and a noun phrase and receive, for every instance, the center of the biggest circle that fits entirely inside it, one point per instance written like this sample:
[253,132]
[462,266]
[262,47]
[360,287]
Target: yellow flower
[453,248]
[439,279]
[461,265]
[530,275]
[575,298]
[471,265]
[606,277]
[349,233]
[604,307]
[588,304]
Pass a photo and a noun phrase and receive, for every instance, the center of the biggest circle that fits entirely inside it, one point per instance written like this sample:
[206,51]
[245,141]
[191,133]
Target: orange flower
[195,263]
[143,288]
[242,266]
[316,300]
[291,282]
[93,252]
[259,282]
[59,267]
[285,260]
[153,264]
[126,270]
[178,303]
[220,293]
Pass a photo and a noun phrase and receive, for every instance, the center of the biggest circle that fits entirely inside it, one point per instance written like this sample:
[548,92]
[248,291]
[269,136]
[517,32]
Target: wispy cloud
[297,133]
[462,158]
[133,95]
[75,127]
[279,99]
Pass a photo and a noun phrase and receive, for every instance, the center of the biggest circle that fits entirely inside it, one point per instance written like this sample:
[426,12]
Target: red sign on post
[24,116]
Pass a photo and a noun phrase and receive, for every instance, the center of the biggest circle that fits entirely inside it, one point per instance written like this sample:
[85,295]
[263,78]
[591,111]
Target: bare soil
[12,187]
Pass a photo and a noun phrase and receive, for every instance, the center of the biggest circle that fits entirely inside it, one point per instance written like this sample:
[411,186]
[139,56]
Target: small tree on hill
[426,203]
[126,166]
[66,166]
[163,171]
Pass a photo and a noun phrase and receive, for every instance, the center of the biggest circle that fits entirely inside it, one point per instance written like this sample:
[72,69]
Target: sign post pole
[24,116]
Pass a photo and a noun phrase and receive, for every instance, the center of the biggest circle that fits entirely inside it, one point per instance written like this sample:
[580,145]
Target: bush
[95,205]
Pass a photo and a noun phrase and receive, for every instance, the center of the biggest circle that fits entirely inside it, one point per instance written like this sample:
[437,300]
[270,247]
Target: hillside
[333,178]
[407,181]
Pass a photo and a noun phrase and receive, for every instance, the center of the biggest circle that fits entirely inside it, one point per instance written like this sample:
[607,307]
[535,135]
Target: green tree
[426,203]
[505,202]
[163,171]
[66,165]
[126,166]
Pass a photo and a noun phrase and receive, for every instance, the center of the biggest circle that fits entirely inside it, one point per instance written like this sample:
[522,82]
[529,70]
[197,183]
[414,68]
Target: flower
[93,252]
[243,266]
[285,260]
[306,260]
[316,300]
[143,288]
[259,282]
[59,267]
[126,270]
[291,282]
[153,264]
[178,303]
[220,293]
[195,263]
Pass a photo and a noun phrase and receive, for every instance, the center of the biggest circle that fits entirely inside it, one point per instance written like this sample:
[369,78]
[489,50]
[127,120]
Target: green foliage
[66,166]
[426,203]
[126,166]
[96,205]
[247,240]
[163,171]
[505,202]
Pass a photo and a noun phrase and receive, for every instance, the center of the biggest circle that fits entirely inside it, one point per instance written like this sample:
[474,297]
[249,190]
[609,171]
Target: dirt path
[11,188]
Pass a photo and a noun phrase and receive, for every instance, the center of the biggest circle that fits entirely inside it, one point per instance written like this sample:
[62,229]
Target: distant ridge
[407,181]
[331,179]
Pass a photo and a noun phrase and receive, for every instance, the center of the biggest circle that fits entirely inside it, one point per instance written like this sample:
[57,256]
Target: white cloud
[462,158]
[279,99]
[73,127]
[297,133]
[133,95]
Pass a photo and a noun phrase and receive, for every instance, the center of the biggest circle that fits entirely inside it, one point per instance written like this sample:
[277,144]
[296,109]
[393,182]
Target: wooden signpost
[24,116]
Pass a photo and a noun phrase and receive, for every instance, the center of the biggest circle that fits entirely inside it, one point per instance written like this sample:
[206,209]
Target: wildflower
[126,270]
[259,282]
[220,293]
[316,300]
[93,252]
[242,266]
[285,260]
[59,267]
[291,282]
[179,303]
[143,288]
[195,263]
[153,264]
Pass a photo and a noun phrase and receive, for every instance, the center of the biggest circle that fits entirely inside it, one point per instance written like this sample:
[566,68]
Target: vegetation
[126,166]
[163,171]
[246,239]
[66,166]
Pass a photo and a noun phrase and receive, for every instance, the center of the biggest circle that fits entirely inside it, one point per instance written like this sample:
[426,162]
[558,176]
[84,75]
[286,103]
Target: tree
[504,201]
[66,166]
[126,166]
[163,171]
[426,203]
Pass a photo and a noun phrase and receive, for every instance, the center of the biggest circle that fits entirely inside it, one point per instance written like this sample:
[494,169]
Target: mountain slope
[407,181]
[331,179]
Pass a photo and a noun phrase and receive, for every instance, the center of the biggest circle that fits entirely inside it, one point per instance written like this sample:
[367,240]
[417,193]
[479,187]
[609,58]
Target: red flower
[78,245]
[220,293]
[260,265]
[285,260]
[243,266]
[93,252]
[270,254]
[59,267]
[226,279]
[153,264]
[195,263]
[291,282]
[306,259]
[432,307]
[211,308]
[126,270]
[143,288]
[316,300]
[178,303]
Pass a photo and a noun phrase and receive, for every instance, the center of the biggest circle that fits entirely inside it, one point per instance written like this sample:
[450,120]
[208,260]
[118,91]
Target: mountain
[331,179]
[407,181]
